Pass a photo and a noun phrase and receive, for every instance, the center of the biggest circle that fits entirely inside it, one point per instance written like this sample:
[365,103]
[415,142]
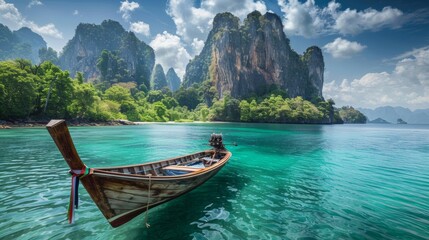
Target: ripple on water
[283,182]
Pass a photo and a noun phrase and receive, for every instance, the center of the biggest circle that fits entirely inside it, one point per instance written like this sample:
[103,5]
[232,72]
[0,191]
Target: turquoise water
[283,182]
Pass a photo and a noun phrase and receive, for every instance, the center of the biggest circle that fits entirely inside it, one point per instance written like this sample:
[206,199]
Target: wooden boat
[123,192]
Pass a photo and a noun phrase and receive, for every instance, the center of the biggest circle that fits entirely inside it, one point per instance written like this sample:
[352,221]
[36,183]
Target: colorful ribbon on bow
[74,191]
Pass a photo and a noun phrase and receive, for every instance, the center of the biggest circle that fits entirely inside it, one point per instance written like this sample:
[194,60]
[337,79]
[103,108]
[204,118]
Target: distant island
[350,115]
[379,120]
[400,121]
[382,121]
[392,114]
[106,73]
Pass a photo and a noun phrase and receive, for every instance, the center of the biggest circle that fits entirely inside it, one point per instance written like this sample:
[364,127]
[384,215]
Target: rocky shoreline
[75,123]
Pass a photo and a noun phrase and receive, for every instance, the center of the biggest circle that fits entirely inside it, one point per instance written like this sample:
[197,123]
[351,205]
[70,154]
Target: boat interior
[174,166]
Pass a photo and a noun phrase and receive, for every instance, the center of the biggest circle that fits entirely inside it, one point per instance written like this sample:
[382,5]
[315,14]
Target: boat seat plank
[181,168]
[209,159]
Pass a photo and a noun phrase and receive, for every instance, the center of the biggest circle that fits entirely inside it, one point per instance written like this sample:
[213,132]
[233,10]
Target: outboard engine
[216,142]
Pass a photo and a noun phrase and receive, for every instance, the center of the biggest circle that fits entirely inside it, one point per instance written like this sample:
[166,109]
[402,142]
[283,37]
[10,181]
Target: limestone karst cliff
[158,80]
[84,49]
[22,43]
[254,58]
[173,80]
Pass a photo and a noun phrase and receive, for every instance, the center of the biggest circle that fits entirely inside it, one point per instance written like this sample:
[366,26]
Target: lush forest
[44,91]
[350,115]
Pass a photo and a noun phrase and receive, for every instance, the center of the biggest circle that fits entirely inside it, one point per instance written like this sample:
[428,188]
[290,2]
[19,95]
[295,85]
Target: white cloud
[140,27]
[190,22]
[354,22]
[170,52]
[75,12]
[309,20]
[194,23]
[45,30]
[197,46]
[9,13]
[410,53]
[239,8]
[302,19]
[342,48]
[407,85]
[127,7]
[10,16]
[34,3]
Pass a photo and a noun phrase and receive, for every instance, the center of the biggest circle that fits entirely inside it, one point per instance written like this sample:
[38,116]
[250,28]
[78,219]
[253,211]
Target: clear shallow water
[283,182]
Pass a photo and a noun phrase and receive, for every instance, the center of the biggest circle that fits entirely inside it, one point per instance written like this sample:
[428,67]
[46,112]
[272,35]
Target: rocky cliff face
[25,35]
[313,59]
[254,58]
[22,43]
[83,50]
[173,80]
[158,80]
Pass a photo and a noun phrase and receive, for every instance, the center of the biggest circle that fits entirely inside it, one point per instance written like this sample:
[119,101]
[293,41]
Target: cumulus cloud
[9,13]
[34,3]
[46,30]
[407,85]
[354,22]
[194,23]
[309,20]
[239,8]
[170,52]
[342,48]
[409,54]
[126,8]
[302,19]
[11,16]
[140,27]
[197,46]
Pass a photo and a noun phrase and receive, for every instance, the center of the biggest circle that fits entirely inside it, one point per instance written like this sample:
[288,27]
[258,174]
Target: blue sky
[376,51]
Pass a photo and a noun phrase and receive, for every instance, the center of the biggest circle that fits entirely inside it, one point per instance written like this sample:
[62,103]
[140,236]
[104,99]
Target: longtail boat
[123,192]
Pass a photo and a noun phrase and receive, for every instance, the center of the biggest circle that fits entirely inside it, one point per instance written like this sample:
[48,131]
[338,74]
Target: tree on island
[350,115]
[48,54]
[400,121]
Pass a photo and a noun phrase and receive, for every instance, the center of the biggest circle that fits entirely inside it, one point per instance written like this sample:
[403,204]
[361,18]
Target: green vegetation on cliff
[173,80]
[109,53]
[350,115]
[158,80]
[45,91]
[48,54]
[248,59]
[112,67]
[285,110]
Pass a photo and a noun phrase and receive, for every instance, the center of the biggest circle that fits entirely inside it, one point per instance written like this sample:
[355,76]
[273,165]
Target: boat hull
[121,198]
[123,192]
